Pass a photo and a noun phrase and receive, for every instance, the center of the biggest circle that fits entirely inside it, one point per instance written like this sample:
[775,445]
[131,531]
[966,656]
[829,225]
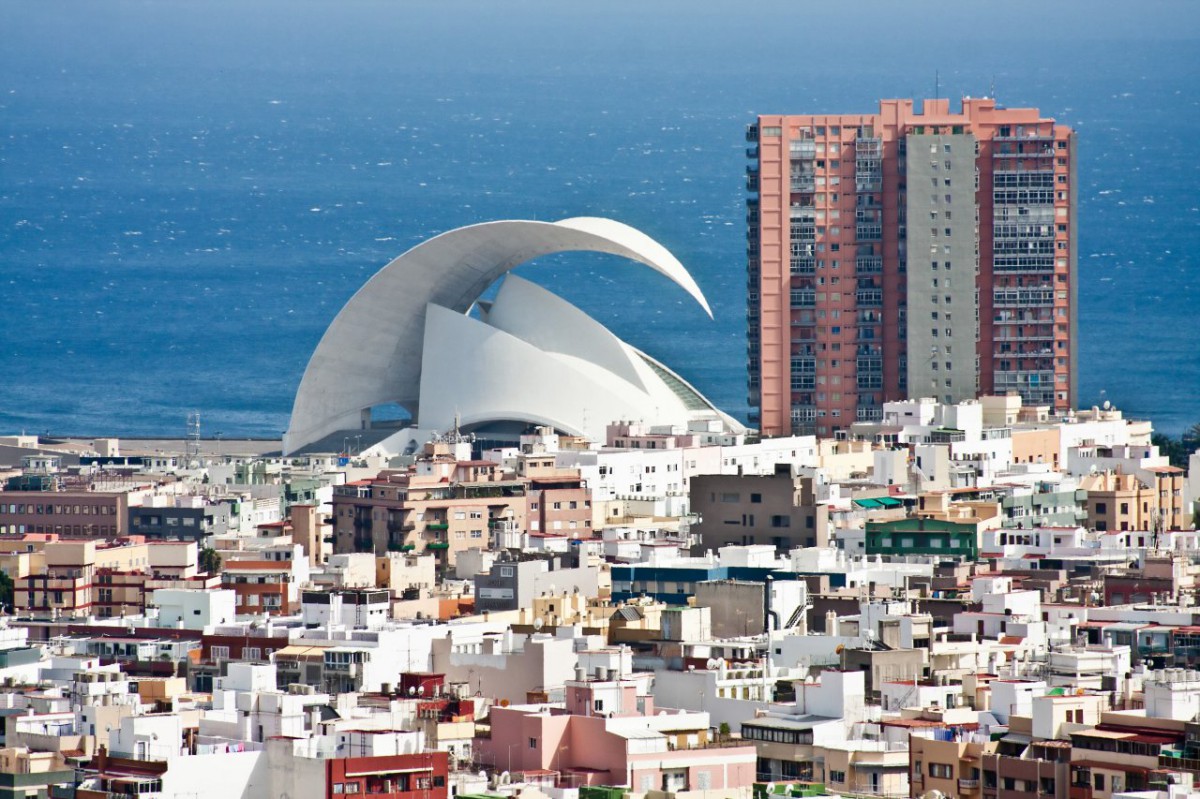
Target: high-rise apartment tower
[908,254]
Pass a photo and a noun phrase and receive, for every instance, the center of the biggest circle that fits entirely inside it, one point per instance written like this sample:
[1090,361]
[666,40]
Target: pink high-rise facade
[908,254]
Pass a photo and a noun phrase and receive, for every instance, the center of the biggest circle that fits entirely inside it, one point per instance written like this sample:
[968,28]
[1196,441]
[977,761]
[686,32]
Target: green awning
[868,503]
[889,502]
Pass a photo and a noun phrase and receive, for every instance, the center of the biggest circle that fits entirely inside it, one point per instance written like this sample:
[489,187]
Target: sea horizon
[193,190]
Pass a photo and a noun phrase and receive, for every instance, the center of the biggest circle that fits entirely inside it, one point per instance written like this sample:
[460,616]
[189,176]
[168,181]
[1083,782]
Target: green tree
[1173,448]
[210,560]
[6,590]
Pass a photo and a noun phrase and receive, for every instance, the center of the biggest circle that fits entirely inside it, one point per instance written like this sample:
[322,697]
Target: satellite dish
[712,663]
[537,624]
[769,787]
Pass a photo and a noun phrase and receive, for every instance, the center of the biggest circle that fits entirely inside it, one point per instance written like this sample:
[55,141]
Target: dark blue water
[189,191]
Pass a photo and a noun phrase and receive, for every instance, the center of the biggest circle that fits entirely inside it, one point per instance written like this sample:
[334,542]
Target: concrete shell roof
[372,352]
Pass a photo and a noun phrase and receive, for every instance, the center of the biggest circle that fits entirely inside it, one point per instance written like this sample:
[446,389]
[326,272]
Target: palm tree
[209,561]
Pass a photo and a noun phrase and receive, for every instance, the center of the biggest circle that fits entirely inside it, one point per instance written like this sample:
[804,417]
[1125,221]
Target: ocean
[190,190]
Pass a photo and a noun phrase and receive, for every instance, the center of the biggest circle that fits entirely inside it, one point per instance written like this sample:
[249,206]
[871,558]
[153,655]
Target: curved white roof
[378,347]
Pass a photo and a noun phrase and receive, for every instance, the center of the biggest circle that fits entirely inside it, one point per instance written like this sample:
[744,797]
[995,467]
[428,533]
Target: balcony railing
[868,264]
[804,149]
[968,785]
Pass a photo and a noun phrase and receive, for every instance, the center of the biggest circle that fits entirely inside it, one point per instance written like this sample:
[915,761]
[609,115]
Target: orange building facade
[908,254]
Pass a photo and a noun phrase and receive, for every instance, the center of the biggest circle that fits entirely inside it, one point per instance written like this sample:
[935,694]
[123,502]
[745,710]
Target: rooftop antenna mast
[192,451]
[937,85]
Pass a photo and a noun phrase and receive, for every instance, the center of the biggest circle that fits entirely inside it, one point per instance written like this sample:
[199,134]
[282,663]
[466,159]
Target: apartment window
[756,498]
[220,653]
[942,771]
[598,705]
[837,776]
[533,743]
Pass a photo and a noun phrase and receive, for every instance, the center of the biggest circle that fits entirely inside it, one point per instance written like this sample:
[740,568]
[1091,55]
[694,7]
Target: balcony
[868,232]
[1027,152]
[870,298]
[803,150]
[1022,297]
[437,526]
[804,182]
[868,264]
[804,299]
[804,266]
[968,785]
[870,147]
[868,183]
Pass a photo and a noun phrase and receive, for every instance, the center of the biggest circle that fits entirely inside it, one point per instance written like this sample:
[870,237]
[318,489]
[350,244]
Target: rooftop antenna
[992,86]
[192,452]
[937,85]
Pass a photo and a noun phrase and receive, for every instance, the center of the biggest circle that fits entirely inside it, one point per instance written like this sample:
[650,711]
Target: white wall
[195,609]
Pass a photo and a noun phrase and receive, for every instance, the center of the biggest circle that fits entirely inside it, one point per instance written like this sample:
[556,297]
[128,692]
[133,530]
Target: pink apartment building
[609,733]
[908,254]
